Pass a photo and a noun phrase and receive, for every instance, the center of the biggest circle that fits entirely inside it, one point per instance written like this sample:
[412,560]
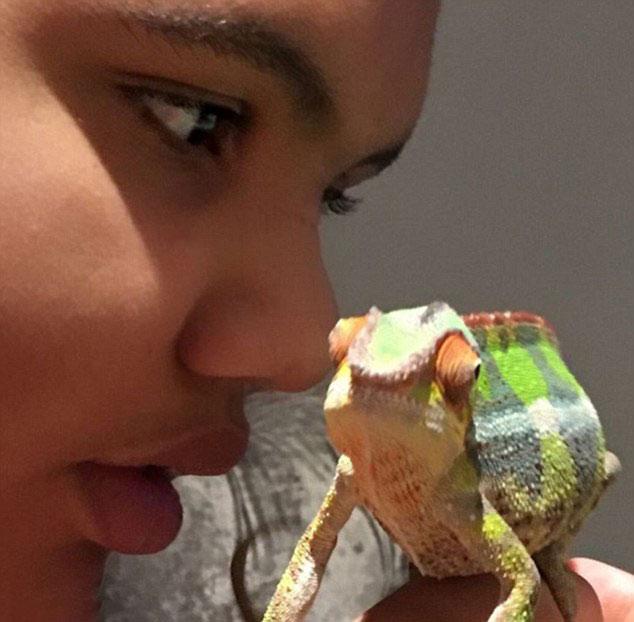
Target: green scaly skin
[470,442]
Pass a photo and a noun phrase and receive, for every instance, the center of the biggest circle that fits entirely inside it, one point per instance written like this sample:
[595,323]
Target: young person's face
[148,282]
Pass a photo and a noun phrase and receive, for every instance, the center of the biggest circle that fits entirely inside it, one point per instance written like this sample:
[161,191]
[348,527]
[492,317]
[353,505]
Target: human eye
[187,122]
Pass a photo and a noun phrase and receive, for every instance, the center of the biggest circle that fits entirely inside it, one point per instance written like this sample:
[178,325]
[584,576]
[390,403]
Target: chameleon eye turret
[342,335]
[472,444]
[456,362]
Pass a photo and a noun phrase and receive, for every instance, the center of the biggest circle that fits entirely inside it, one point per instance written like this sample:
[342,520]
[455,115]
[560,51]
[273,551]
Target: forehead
[374,53]
[377,57]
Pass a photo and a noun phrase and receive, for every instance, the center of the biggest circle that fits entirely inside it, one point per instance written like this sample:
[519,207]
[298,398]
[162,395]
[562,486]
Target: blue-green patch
[581,432]
[508,444]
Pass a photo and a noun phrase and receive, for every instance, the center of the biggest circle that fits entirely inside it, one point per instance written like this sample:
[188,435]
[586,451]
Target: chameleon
[469,441]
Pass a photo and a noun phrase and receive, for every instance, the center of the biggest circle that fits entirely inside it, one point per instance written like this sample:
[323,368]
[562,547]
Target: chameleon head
[404,380]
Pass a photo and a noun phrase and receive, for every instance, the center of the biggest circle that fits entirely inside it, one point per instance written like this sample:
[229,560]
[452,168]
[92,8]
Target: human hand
[604,593]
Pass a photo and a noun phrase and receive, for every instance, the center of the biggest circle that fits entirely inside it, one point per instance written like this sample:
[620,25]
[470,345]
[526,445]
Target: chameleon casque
[469,441]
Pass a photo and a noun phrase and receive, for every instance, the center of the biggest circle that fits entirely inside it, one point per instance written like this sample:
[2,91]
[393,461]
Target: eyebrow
[249,39]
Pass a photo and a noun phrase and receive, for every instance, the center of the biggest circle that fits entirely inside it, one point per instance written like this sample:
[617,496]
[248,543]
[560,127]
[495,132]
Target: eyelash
[205,118]
[335,201]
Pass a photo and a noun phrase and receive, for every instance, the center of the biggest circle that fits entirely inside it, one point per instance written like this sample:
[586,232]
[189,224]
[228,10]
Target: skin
[147,288]
[604,593]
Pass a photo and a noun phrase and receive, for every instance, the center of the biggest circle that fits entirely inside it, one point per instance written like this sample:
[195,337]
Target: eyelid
[182,93]
[187,123]
[358,175]
[146,94]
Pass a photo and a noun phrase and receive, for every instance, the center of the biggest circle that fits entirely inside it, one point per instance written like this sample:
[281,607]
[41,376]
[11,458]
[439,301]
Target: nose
[266,318]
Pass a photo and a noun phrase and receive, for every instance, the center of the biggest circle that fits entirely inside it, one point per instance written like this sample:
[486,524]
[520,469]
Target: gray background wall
[517,192]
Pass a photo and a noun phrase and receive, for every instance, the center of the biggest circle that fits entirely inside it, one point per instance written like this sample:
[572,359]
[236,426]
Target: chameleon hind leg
[552,567]
[300,582]
[551,560]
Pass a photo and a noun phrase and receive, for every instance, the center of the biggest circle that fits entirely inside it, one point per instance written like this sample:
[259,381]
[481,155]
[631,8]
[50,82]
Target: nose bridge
[268,316]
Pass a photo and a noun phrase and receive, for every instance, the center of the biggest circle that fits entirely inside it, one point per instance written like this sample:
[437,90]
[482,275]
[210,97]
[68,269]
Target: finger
[614,588]
[457,599]
[588,605]
[424,599]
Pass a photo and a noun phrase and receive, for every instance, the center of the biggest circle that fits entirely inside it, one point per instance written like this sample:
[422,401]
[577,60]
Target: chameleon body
[470,442]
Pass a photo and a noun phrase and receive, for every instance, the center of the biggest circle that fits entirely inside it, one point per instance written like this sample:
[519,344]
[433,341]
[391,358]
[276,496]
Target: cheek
[81,307]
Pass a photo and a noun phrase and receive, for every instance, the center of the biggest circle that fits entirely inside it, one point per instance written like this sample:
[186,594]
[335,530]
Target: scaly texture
[470,442]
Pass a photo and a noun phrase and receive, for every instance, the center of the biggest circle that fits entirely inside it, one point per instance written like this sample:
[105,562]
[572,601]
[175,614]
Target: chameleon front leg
[300,582]
[484,533]
[512,565]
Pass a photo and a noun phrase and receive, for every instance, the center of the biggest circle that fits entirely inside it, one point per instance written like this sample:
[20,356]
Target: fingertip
[588,605]
[588,602]
[613,587]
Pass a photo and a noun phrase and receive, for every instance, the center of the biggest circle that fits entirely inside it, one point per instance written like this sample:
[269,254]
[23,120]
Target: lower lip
[135,510]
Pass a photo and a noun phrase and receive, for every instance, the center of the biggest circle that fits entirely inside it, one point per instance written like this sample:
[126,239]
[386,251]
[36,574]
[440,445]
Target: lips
[210,454]
[135,508]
